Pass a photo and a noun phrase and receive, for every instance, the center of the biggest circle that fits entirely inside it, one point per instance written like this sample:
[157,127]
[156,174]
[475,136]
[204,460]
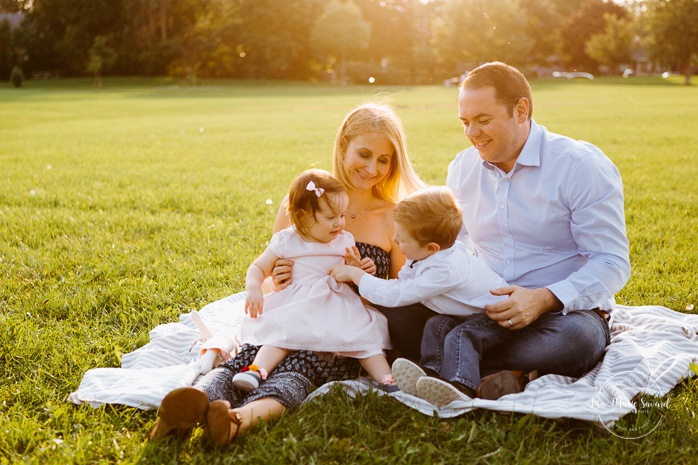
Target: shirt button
[501,205]
[508,262]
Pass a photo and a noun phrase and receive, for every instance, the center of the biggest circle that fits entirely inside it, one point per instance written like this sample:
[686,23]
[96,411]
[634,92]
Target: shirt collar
[437,255]
[530,154]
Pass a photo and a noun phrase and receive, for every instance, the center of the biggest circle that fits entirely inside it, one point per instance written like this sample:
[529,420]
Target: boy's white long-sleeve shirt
[451,281]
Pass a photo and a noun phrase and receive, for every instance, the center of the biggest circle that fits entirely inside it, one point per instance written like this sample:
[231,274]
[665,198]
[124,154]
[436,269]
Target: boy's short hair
[430,215]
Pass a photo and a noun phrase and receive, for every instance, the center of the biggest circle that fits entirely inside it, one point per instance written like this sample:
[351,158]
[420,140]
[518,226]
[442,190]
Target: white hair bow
[311,187]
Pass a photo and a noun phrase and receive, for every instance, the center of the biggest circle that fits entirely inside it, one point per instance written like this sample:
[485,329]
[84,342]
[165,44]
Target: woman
[370,160]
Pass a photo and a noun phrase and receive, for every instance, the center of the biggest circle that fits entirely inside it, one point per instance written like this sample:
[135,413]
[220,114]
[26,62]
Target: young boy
[440,273]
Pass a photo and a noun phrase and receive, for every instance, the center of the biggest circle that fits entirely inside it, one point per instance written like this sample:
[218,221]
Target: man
[546,213]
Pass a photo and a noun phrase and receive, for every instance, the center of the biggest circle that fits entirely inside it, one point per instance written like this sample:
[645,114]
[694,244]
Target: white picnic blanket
[651,350]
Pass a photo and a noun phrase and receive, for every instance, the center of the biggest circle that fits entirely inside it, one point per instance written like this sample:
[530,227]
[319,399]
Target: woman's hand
[368,266]
[281,274]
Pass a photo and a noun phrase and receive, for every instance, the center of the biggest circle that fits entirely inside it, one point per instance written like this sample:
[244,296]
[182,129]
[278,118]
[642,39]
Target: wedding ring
[510,323]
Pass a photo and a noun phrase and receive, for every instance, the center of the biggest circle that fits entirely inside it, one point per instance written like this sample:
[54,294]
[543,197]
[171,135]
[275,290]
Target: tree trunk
[163,20]
[150,26]
[343,68]
[686,66]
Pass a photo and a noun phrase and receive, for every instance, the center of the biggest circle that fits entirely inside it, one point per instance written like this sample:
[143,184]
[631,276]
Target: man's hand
[523,306]
[281,274]
[254,303]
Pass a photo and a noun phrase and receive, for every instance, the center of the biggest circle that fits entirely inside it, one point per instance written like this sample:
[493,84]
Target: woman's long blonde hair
[376,118]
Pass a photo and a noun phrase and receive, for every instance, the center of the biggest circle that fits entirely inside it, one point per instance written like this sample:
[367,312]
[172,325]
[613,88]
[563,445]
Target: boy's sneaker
[406,374]
[439,392]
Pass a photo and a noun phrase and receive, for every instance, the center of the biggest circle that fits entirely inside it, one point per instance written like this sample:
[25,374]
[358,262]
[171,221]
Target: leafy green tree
[252,38]
[672,38]
[396,29]
[58,34]
[579,28]
[543,30]
[211,49]
[566,8]
[14,6]
[273,38]
[410,40]
[612,47]
[188,45]
[470,32]
[156,36]
[7,55]
[144,35]
[340,34]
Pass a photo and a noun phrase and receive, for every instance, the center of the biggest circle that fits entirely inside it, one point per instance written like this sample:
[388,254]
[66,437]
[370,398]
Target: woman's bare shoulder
[385,209]
[282,220]
[385,206]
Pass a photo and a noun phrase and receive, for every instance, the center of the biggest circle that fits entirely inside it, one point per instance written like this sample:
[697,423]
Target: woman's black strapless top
[379,256]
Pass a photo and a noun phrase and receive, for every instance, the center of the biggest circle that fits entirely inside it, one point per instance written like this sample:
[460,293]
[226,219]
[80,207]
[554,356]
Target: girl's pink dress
[315,312]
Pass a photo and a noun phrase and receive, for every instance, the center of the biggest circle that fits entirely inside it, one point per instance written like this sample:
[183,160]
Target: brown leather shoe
[500,384]
[180,410]
[222,425]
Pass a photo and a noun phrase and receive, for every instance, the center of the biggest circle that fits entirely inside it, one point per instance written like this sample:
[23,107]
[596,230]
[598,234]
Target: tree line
[392,41]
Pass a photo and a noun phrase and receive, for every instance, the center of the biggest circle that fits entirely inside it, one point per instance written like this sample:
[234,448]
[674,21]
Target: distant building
[641,63]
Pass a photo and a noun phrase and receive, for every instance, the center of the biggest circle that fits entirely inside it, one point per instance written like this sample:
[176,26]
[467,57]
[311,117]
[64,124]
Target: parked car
[580,75]
[573,75]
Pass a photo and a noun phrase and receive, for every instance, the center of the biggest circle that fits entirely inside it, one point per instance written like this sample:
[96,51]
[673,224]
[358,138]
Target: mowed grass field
[124,207]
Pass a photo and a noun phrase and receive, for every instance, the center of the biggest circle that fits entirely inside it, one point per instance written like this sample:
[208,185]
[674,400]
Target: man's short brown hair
[509,84]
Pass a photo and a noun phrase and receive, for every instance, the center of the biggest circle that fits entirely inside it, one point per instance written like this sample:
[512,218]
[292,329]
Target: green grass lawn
[124,207]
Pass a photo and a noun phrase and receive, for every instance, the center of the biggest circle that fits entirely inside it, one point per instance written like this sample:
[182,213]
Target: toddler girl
[314,312]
